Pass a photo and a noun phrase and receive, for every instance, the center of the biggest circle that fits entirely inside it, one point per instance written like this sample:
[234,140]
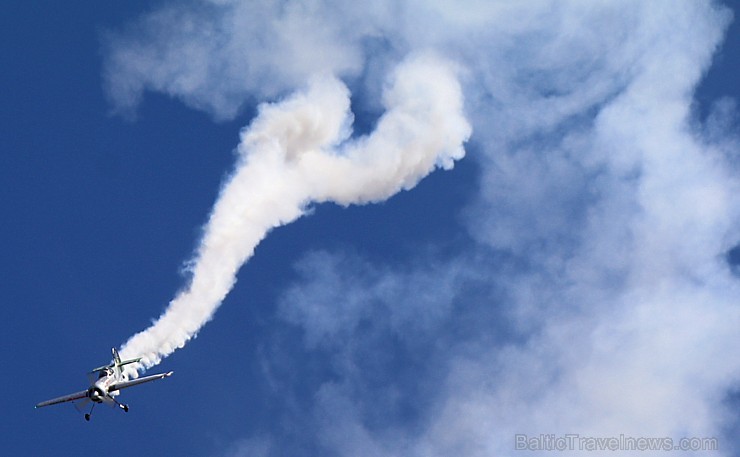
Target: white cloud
[217,55]
[339,292]
[596,297]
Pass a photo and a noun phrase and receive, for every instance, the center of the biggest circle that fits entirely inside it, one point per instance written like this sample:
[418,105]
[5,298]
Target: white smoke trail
[298,151]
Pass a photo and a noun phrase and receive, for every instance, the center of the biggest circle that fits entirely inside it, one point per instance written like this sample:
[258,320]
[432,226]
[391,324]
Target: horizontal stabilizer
[125,362]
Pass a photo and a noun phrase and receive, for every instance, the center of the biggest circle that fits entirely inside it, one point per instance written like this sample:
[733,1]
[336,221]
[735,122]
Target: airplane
[109,383]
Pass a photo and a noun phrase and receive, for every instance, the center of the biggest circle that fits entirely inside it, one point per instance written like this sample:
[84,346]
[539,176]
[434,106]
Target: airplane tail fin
[116,357]
[118,363]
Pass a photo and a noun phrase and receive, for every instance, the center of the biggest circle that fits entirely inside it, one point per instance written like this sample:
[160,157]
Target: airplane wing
[133,382]
[70,397]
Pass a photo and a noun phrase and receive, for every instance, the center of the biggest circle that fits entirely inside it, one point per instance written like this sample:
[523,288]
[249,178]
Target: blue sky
[576,272]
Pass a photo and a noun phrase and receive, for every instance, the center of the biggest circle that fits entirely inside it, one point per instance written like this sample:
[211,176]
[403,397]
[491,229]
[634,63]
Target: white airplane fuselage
[99,393]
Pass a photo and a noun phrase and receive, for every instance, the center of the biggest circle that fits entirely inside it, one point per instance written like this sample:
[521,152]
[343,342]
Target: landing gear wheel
[87,417]
[125,408]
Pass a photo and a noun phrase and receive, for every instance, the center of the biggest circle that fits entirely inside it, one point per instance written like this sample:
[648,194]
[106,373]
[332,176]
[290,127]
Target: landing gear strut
[87,416]
[122,406]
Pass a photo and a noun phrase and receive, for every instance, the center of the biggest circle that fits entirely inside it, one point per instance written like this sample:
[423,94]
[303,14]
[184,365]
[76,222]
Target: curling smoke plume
[297,152]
